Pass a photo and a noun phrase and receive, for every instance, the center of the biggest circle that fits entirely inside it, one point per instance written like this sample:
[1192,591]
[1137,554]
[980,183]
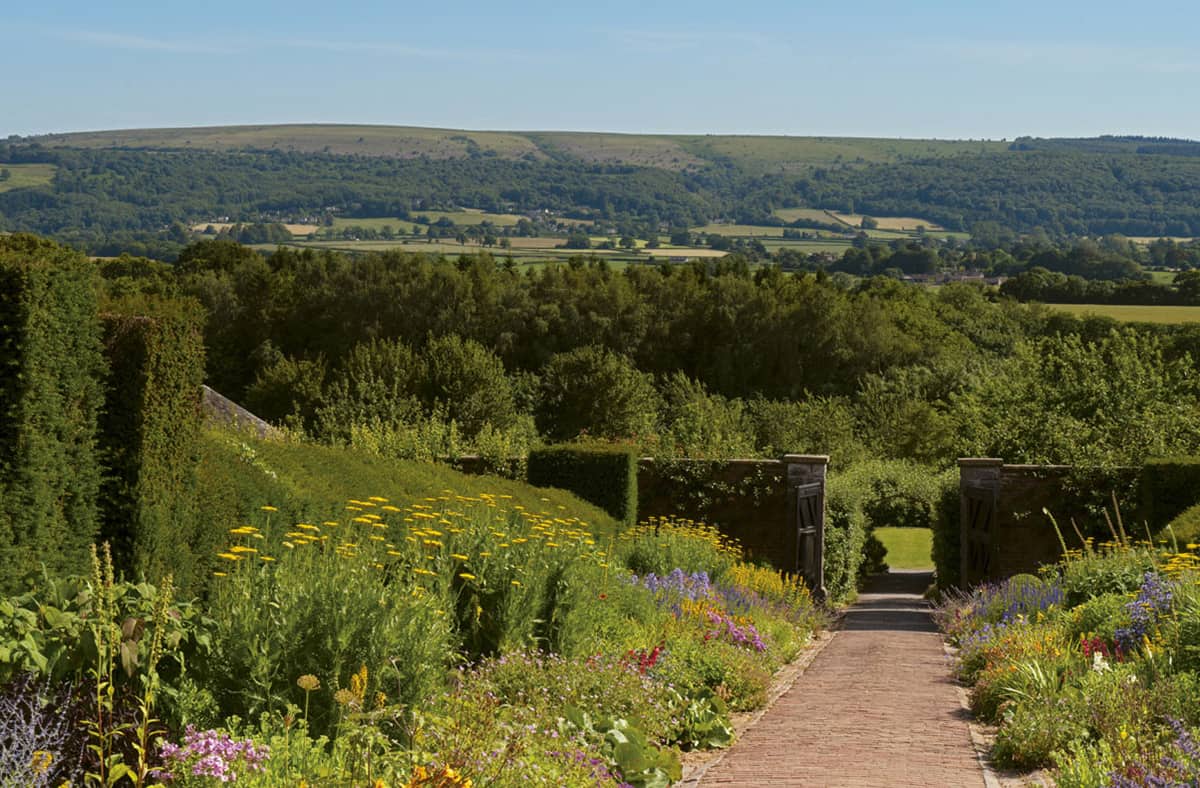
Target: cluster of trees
[1039,284]
[1112,263]
[713,358]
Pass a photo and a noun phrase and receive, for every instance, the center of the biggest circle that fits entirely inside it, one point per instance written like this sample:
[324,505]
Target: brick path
[877,707]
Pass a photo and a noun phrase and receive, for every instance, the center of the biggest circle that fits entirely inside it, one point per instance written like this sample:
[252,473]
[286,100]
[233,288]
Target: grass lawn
[907,548]
[1135,314]
[22,175]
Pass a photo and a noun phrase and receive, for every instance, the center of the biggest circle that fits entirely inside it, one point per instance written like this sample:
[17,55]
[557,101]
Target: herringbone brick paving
[877,707]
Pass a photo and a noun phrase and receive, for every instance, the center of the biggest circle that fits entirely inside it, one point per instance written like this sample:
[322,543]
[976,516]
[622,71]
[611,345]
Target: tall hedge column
[150,433]
[51,373]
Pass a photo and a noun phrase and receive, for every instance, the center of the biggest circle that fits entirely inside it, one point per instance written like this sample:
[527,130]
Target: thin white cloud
[228,46]
[399,49]
[1077,58]
[675,40]
[126,41]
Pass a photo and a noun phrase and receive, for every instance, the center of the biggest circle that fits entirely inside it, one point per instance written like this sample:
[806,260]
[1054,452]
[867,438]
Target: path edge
[783,681]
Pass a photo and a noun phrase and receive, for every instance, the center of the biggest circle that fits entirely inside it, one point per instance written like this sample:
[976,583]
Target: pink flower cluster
[212,754]
[729,630]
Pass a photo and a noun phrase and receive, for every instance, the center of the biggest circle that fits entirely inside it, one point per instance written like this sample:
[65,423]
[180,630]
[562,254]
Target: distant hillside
[672,152]
[135,190]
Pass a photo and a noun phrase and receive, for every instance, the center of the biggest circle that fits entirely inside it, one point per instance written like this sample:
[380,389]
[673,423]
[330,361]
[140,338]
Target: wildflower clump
[211,753]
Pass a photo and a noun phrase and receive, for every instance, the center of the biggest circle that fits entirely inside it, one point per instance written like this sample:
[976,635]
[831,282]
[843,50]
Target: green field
[907,548]
[1135,314]
[741,230]
[22,175]
[809,214]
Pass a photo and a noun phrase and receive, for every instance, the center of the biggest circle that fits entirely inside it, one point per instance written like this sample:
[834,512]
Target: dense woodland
[111,200]
[715,359]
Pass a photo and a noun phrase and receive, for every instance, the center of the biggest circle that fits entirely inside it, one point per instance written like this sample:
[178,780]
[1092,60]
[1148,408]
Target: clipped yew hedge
[51,390]
[601,476]
[150,435]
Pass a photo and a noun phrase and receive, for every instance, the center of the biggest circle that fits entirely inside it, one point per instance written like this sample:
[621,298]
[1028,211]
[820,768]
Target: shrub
[595,391]
[1109,570]
[50,397]
[1184,529]
[1034,729]
[150,432]
[604,477]
[662,545]
[375,384]
[697,423]
[947,536]
[1166,487]
[467,382]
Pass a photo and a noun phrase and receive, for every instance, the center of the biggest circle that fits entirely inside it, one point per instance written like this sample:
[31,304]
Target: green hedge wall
[149,433]
[51,373]
[1167,486]
[947,537]
[604,477]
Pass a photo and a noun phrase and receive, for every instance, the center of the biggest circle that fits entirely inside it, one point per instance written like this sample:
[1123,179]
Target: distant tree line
[1068,188]
[702,359]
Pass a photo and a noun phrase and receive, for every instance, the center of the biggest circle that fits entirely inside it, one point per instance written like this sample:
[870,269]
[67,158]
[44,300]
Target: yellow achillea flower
[229,556]
[459,556]
[466,575]
[41,761]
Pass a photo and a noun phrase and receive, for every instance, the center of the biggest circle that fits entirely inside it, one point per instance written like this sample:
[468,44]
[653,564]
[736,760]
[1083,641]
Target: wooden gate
[810,535]
[979,517]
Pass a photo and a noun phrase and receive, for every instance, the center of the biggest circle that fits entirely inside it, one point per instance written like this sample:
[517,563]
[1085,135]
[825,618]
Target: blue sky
[866,68]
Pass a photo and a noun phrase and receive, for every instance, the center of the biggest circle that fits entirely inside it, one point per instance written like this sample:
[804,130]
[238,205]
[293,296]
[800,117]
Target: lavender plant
[41,740]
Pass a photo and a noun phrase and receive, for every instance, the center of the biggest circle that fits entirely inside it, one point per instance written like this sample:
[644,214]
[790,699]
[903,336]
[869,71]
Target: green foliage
[604,477]
[640,763]
[703,722]
[889,493]
[468,382]
[374,385]
[149,433]
[47,632]
[1185,528]
[288,391]
[661,545]
[1109,570]
[596,392]
[818,425]
[845,536]
[1110,402]
[1167,486]
[696,423]
[51,377]
[947,536]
